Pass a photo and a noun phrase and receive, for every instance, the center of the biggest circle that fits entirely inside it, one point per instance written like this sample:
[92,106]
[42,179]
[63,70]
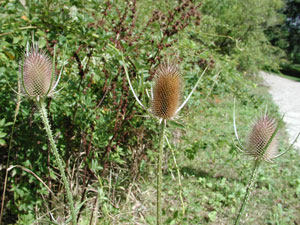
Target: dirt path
[286,94]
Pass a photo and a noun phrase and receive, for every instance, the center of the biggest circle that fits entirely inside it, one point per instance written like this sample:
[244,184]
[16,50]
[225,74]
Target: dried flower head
[167,90]
[259,137]
[38,80]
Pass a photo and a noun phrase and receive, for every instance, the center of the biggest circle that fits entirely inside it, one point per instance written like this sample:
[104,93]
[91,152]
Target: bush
[99,129]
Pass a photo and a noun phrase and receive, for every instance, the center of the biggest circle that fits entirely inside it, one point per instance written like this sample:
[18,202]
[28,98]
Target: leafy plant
[100,130]
[262,146]
[3,133]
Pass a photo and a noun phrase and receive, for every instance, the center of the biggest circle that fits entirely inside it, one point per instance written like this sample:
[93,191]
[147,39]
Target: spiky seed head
[262,131]
[37,74]
[166,90]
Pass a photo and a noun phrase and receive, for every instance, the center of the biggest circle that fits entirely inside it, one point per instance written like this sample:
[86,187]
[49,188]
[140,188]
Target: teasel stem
[43,112]
[159,172]
[253,174]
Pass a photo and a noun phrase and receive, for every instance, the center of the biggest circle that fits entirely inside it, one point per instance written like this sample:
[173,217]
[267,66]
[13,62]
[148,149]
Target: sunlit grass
[214,181]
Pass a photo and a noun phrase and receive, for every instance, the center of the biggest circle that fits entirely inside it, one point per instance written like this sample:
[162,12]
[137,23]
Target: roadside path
[286,94]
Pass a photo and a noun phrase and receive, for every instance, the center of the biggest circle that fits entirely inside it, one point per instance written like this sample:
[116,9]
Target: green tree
[286,34]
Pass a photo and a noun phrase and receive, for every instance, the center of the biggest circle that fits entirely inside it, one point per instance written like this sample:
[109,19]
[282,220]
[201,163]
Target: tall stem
[43,112]
[254,171]
[159,172]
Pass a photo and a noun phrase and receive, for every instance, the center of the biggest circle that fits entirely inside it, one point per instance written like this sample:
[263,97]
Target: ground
[285,93]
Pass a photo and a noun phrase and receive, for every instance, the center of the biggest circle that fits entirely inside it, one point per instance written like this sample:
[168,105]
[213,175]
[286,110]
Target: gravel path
[286,94]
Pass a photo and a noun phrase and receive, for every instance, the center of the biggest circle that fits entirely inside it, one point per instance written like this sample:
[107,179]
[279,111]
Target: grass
[291,69]
[297,79]
[214,176]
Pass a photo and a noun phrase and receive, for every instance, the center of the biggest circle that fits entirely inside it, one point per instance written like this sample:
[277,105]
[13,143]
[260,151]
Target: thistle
[166,91]
[38,77]
[38,82]
[262,145]
[165,102]
[165,105]
[259,137]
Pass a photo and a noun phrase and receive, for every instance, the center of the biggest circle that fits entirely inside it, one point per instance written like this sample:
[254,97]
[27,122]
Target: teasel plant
[262,146]
[166,96]
[38,81]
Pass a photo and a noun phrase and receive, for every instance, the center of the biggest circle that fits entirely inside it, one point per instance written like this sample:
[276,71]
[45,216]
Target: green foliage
[105,138]
[236,29]
[285,33]
[291,70]
[3,131]
[214,181]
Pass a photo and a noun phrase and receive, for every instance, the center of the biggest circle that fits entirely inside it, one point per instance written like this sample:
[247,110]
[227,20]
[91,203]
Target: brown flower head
[37,78]
[167,90]
[259,137]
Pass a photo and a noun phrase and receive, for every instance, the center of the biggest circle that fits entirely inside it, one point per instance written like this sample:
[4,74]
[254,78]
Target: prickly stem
[254,171]
[159,173]
[43,112]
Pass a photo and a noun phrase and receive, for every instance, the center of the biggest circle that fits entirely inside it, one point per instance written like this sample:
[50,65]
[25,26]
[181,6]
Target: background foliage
[285,35]
[107,141]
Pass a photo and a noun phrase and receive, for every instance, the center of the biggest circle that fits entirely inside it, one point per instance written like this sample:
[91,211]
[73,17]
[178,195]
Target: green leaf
[2,142]
[2,134]
[212,216]
[176,124]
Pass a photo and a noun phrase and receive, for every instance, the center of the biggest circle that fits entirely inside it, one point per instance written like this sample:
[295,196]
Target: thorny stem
[43,112]
[159,172]
[254,171]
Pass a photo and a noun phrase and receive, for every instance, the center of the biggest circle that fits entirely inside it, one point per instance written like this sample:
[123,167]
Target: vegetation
[109,144]
[285,35]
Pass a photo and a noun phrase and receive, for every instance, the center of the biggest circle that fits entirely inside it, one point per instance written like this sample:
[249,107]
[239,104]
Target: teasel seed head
[37,78]
[259,137]
[166,90]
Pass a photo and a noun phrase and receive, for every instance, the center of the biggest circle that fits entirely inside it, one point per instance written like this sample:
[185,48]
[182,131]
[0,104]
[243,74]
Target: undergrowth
[108,143]
[214,175]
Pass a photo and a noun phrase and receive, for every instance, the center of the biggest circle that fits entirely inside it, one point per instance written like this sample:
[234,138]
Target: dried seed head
[166,91]
[37,74]
[259,137]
